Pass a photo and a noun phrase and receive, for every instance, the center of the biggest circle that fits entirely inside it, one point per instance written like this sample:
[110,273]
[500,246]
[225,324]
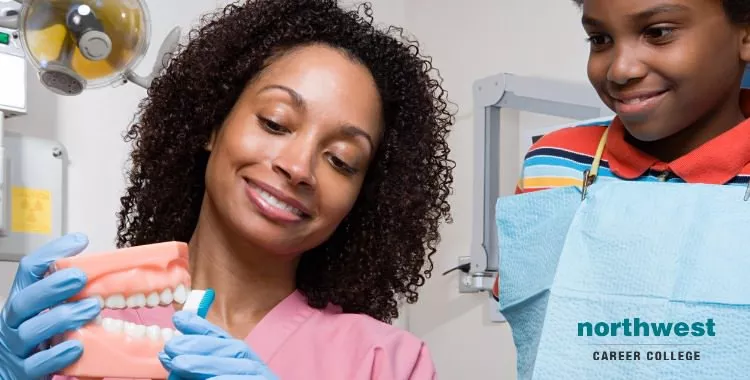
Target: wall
[469,41]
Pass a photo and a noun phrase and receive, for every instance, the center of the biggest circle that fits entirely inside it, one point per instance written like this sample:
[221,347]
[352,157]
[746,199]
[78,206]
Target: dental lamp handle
[9,22]
[169,46]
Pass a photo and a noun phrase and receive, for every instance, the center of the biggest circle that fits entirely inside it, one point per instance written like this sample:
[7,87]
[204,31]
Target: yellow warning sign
[31,211]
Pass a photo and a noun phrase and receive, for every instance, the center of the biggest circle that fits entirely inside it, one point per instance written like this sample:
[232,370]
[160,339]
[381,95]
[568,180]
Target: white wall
[468,40]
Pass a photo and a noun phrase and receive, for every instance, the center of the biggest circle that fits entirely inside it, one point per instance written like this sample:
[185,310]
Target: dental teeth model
[153,299]
[124,281]
[165,297]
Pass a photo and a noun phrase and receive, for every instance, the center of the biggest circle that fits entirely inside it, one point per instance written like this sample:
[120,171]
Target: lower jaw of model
[149,276]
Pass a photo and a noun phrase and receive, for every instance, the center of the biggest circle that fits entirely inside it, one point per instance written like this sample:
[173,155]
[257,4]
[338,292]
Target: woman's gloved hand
[205,351]
[25,322]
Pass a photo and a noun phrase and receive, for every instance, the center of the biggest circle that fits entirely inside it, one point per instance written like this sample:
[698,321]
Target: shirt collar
[715,162]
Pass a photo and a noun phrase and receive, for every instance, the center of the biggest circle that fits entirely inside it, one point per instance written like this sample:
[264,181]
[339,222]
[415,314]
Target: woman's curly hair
[378,252]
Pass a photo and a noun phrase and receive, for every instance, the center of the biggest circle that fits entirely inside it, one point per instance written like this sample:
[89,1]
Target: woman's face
[289,161]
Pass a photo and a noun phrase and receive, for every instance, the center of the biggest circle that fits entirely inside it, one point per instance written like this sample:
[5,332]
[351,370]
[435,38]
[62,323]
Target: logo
[640,336]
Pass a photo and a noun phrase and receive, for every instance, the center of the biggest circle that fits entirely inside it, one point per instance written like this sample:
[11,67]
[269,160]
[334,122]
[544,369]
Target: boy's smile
[631,105]
[670,69]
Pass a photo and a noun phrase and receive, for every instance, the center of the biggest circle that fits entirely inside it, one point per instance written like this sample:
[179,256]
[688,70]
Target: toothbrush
[199,301]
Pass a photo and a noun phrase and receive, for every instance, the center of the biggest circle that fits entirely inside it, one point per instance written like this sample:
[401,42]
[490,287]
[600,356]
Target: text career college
[638,328]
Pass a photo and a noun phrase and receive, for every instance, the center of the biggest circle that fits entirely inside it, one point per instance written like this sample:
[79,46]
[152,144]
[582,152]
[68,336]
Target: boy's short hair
[737,10]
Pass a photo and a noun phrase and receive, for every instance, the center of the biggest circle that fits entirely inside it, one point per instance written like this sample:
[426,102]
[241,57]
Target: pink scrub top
[300,342]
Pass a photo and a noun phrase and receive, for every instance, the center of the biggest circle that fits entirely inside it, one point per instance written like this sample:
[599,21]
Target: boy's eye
[599,39]
[658,33]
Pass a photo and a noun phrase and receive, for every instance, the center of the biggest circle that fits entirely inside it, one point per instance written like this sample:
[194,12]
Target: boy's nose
[625,67]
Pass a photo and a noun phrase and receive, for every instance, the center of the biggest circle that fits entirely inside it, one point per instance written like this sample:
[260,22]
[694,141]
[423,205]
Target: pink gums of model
[154,275]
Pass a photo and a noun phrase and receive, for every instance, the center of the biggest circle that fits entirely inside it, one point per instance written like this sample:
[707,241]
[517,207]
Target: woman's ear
[745,43]
[211,140]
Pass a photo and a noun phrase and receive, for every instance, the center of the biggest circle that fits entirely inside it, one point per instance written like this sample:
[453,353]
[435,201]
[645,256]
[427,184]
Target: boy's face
[664,65]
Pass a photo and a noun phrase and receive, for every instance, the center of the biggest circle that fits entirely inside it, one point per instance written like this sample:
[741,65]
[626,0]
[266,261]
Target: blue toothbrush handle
[206,302]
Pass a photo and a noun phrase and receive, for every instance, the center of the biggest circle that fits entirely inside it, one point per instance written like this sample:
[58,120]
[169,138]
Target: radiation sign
[31,211]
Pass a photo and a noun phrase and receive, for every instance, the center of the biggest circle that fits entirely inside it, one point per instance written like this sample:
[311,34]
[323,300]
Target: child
[672,74]
[671,70]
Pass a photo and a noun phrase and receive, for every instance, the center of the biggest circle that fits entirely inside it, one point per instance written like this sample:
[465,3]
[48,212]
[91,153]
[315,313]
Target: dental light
[80,44]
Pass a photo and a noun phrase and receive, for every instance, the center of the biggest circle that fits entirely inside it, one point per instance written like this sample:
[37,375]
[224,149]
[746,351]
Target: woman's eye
[341,165]
[271,126]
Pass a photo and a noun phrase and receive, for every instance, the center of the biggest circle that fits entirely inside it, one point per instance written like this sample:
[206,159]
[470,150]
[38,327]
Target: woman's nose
[296,162]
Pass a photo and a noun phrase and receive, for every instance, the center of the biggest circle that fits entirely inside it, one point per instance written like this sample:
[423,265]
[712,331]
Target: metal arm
[510,92]
[167,47]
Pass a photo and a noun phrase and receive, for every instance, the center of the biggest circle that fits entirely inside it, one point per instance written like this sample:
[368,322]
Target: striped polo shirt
[559,159]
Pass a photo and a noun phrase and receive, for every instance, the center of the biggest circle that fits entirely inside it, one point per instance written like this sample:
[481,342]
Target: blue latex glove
[207,352]
[24,327]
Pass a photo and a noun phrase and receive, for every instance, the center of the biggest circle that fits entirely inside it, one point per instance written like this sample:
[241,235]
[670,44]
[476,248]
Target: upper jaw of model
[144,276]
[148,276]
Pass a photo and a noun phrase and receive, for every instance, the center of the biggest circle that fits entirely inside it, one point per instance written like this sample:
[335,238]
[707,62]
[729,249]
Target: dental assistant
[302,153]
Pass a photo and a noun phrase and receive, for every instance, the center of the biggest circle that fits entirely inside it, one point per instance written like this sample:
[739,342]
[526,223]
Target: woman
[303,155]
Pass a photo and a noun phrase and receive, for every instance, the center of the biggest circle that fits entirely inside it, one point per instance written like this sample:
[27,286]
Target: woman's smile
[274,205]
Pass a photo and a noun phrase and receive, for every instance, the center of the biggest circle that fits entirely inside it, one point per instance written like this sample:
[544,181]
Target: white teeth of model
[167,334]
[166,297]
[116,301]
[99,320]
[153,299]
[179,294]
[118,325]
[134,330]
[153,332]
[136,300]
[101,301]
[112,325]
[107,324]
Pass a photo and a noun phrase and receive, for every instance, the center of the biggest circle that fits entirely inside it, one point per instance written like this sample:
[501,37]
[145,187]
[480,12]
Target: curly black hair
[377,254]
[737,10]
